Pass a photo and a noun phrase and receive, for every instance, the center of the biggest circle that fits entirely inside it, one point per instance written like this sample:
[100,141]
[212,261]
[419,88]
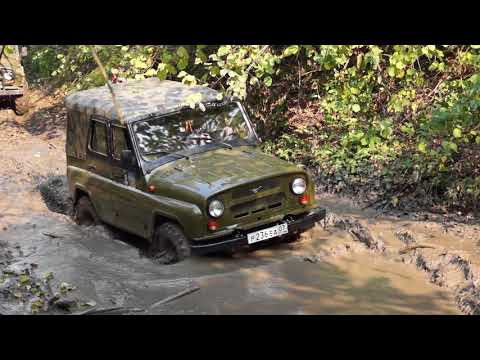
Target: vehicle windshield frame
[148,166]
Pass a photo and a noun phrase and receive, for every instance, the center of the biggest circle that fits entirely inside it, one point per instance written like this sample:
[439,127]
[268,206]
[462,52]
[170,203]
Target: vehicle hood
[218,170]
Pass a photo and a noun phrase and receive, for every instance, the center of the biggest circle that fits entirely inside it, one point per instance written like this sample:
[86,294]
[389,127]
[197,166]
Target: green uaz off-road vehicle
[186,180]
[13,84]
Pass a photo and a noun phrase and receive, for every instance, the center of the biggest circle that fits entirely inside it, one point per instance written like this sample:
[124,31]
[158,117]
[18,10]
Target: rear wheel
[169,244]
[85,213]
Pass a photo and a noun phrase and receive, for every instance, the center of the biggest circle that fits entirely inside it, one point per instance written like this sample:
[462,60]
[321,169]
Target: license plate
[267,233]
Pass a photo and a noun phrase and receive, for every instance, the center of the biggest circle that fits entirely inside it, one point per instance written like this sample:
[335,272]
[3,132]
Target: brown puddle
[357,284]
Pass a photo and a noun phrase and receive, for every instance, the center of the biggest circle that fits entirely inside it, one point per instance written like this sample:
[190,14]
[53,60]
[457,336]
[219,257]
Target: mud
[350,266]
[275,279]
[54,191]
[450,261]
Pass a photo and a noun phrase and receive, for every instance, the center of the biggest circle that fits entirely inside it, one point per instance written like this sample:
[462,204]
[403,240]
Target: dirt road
[327,273]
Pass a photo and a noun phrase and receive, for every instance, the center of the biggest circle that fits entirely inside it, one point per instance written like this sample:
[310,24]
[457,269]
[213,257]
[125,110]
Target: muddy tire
[293,238]
[84,213]
[169,244]
[21,105]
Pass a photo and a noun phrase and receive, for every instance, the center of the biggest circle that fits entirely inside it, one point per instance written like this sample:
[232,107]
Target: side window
[119,141]
[98,142]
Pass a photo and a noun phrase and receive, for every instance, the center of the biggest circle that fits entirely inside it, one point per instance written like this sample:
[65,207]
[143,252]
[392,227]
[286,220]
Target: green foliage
[410,109]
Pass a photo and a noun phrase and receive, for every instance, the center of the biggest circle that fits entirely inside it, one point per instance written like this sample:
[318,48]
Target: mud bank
[446,268]
[452,270]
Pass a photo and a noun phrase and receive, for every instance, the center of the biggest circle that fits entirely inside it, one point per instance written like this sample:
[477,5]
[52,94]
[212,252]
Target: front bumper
[11,91]
[239,239]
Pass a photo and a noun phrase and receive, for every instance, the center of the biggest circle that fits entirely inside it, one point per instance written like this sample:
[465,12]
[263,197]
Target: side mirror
[127,159]
[24,51]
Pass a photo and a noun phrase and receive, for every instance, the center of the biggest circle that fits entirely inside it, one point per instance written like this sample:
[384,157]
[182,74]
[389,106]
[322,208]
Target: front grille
[260,186]
[258,205]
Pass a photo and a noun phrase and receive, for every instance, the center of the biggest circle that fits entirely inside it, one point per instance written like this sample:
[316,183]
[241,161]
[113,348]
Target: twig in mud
[176,296]
[122,309]
[311,259]
[53,236]
[370,204]
[411,248]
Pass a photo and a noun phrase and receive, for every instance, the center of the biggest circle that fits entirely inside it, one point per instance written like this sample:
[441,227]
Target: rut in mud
[445,268]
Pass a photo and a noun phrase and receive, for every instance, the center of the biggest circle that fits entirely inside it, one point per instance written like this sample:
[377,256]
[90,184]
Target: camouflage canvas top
[137,98]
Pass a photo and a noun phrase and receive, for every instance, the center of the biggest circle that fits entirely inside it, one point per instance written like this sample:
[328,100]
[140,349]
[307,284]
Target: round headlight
[299,186]
[7,74]
[216,208]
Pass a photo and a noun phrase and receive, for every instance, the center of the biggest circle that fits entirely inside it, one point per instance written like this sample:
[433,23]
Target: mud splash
[54,191]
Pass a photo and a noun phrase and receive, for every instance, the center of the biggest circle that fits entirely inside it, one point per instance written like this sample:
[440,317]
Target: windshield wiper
[180,156]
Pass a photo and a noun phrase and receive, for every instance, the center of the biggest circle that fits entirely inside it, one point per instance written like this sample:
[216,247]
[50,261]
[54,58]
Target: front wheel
[169,244]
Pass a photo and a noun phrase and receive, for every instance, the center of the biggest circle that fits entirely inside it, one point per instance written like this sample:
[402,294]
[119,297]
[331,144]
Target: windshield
[190,130]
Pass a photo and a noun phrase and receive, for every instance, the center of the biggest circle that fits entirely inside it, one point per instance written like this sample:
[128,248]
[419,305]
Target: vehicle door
[131,213]
[98,160]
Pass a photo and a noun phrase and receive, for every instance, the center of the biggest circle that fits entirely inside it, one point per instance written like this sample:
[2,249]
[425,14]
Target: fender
[78,186]
[187,215]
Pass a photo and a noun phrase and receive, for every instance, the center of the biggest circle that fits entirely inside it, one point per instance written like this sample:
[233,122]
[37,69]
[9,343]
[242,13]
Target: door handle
[91,167]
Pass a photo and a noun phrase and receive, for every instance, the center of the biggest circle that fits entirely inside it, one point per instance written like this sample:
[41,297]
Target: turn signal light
[212,225]
[151,188]
[304,199]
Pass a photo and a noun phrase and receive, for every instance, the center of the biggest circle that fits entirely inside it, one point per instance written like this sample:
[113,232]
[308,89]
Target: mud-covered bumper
[239,238]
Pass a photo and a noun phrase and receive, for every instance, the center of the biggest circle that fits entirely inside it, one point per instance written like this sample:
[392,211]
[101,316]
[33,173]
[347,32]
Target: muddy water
[272,280]
[109,268]
[348,285]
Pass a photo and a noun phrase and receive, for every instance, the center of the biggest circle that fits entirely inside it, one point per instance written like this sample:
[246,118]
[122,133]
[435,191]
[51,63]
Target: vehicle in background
[13,83]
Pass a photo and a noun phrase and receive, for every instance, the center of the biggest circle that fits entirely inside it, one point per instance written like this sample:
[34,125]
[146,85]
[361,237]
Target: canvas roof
[137,98]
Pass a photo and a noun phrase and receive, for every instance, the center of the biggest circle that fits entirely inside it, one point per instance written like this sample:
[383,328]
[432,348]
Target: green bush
[406,116]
